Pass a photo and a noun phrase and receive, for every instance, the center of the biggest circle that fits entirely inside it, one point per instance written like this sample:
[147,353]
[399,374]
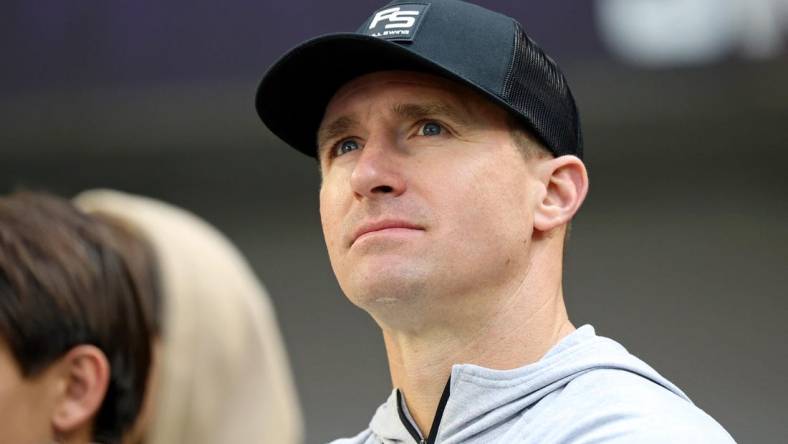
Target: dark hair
[68,278]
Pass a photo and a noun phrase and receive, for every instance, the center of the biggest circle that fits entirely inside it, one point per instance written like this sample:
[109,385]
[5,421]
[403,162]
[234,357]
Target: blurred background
[680,253]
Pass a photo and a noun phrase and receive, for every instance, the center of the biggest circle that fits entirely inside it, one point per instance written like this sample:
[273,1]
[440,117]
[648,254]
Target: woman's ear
[84,373]
[566,185]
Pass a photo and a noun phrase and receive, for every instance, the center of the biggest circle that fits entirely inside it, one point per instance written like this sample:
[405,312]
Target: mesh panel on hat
[536,88]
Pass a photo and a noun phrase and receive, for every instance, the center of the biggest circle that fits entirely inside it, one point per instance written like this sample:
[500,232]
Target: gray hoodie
[586,389]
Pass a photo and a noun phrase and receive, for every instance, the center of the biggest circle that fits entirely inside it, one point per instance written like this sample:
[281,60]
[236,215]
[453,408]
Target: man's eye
[431,129]
[345,146]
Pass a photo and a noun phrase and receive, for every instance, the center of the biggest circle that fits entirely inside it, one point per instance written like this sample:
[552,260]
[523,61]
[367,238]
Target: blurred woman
[222,374]
[78,307]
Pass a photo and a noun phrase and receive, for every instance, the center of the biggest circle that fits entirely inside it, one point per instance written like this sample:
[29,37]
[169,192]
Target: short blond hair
[529,144]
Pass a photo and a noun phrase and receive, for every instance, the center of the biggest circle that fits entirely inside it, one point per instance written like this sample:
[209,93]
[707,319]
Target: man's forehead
[401,90]
[394,84]
[382,79]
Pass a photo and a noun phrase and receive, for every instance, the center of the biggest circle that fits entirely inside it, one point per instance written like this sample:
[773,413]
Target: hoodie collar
[478,391]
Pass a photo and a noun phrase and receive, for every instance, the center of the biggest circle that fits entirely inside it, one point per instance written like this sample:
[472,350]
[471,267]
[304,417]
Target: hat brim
[293,94]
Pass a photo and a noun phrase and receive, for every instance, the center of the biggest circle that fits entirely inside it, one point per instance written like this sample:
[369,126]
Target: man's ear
[84,373]
[566,184]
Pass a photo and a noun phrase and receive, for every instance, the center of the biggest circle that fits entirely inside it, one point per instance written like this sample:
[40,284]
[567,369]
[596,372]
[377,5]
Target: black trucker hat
[484,50]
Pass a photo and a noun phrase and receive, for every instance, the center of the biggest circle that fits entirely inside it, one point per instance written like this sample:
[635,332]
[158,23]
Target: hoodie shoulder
[619,406]
[365,437]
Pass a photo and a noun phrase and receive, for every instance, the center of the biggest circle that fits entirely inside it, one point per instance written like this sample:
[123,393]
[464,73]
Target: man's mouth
[383,226]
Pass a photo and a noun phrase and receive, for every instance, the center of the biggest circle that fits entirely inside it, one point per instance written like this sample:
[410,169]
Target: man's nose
[378,171]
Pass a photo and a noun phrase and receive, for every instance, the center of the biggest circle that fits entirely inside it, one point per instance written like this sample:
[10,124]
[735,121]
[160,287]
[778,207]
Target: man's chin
[387,288]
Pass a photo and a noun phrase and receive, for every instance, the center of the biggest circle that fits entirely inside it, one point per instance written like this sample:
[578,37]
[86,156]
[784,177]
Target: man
[78,306]
[451,158]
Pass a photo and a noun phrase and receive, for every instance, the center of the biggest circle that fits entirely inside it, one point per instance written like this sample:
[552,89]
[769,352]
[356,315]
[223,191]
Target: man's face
[425,198]
[26,404]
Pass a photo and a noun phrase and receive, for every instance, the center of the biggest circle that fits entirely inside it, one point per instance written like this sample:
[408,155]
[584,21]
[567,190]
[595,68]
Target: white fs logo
[396,17]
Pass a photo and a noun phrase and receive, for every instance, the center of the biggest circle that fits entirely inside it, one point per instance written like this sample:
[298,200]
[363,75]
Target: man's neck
[517,332]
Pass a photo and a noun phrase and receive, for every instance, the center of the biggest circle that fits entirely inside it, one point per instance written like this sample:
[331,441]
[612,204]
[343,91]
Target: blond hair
[223,375]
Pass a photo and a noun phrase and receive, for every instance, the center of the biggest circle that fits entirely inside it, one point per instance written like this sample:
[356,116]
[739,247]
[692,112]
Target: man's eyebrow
[416,111]
[336,128]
